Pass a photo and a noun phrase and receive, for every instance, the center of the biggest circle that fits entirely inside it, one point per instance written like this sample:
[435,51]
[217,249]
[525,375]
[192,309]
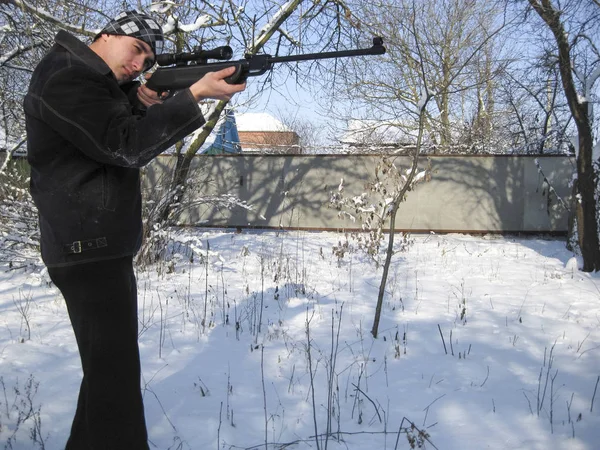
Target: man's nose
[138,63]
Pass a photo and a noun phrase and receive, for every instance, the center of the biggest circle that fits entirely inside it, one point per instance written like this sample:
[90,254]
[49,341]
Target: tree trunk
[182,168]
[587,225]
[386,269]
[586,208]
[397,200]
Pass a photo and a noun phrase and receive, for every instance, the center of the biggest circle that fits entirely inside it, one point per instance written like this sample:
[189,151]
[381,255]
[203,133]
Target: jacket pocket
[109,193]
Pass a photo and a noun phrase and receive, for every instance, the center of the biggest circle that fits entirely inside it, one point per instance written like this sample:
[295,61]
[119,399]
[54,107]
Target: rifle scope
[197,56]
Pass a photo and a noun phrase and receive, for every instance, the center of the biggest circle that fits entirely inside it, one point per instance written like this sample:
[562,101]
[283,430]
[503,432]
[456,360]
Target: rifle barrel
[375,50]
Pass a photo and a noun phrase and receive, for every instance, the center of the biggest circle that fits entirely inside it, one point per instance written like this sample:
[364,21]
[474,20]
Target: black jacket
[86,140]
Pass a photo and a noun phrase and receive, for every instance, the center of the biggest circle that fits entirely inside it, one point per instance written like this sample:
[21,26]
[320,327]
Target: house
[224,139]
[250,133]
[261,132]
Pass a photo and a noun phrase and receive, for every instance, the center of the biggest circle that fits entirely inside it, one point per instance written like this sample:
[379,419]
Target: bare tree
[280,29]
[245,24]
[309,133]
[461,56]
[538,120]
[432,54]
[574,26]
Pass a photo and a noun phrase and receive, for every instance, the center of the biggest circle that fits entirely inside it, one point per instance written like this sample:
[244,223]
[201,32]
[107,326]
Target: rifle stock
[183,75]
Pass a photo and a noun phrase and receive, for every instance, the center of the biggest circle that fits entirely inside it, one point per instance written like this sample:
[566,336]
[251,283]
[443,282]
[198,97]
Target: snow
[8,55]
[162,7]
[423,101]
[259,122]
[172,25]
[420,176]
[520,327]
[274,22]
[45,14]
[201,21]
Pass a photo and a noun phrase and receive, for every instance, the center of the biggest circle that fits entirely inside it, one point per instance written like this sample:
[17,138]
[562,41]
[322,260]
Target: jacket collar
[82,52]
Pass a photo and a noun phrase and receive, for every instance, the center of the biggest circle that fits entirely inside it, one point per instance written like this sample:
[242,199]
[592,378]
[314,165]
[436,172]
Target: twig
[219,429]
[443,341]
[426,409]
[594,396]
[332,361]
[262,376]
[372,402]
[161,336]
[312,377]
[146,388]
[552,401]
[550,361]
[486,377]
[262,295]
[569,407]
[206,286]
[585,351]
[528,401]
[283,445]
[582,342]
[422,434]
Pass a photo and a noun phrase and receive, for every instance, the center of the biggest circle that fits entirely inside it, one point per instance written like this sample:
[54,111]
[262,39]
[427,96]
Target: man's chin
[124,79]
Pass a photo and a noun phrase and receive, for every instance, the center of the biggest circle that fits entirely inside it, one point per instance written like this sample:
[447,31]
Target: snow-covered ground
[270,341]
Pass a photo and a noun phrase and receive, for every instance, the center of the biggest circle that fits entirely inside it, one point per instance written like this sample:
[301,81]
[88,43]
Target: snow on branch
[203,21]
[47,16]
[587,86]
[274,23]
[172,25]
[17,51]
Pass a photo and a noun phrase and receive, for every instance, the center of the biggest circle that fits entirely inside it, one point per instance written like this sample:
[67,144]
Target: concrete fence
[465,194]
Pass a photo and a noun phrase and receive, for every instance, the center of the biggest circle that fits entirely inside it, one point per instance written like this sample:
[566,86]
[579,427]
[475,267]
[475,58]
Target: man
[90,128]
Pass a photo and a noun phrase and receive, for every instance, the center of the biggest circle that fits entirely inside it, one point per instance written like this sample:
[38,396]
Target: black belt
[89,244]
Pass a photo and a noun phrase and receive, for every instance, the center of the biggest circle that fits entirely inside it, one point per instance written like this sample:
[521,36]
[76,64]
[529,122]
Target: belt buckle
[76,247]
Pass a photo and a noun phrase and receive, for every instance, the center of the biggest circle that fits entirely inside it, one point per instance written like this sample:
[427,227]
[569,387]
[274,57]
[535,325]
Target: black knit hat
[137,25]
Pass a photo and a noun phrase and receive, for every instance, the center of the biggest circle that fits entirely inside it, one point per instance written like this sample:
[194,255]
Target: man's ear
[101,38]
[106,37]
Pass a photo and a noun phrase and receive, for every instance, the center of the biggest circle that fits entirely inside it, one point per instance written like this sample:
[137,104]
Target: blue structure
[227,139]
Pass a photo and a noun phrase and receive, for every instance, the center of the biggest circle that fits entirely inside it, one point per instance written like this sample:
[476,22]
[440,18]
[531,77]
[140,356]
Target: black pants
[101,299]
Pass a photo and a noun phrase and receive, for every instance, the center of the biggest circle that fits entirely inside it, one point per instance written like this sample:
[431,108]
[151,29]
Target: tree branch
[48,17]
[18,51]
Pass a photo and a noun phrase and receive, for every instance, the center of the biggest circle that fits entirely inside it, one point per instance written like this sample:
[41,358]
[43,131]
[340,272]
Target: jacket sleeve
[130,89]
[94,114]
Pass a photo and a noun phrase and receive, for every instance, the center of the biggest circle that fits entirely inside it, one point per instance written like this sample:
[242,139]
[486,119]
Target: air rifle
[184,69]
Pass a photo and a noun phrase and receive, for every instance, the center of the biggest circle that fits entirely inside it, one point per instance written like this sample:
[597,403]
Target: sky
[291,102]
[486,342]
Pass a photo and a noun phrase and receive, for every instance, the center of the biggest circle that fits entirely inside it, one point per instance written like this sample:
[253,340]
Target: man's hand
[213,85]
[148,97]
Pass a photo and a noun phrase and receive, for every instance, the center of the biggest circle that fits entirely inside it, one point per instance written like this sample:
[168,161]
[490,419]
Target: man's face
[127,57]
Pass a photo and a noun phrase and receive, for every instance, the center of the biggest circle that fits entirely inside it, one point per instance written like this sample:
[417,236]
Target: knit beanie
[137,25]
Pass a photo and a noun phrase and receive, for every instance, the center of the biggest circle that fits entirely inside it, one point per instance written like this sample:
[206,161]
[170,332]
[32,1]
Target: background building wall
[465,193]
[257,140]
